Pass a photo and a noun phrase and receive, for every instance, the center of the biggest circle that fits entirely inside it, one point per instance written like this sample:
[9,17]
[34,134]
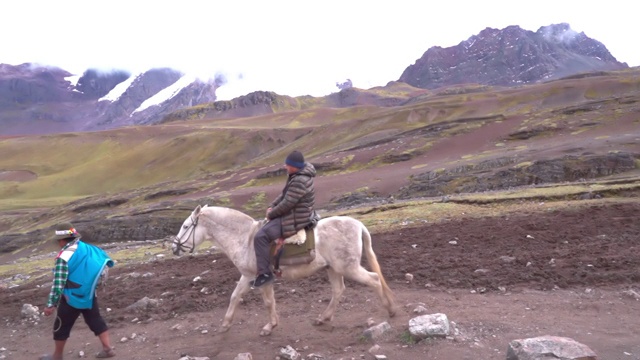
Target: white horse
[339,244]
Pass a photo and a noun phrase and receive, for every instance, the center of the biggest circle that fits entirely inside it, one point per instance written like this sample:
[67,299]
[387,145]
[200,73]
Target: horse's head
[185,240]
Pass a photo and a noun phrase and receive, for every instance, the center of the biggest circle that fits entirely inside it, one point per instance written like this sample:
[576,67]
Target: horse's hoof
[224,329]
[265,332]
[318,322]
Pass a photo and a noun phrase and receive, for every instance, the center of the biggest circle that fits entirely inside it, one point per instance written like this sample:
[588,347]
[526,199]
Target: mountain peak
[511,56]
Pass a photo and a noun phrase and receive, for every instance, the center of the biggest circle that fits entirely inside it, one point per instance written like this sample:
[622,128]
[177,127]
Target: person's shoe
[105,354]
[262,279]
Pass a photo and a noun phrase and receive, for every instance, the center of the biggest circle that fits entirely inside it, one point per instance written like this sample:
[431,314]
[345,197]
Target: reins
[192,233]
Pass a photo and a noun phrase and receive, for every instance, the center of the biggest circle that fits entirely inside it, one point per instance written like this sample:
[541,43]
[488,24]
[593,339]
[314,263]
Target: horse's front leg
[270,301]
[241,288]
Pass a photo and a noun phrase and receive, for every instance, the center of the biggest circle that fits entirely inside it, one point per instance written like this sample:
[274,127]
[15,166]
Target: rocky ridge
[511,56]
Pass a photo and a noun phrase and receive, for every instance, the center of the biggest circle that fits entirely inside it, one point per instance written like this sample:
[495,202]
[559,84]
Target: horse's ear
[196,212]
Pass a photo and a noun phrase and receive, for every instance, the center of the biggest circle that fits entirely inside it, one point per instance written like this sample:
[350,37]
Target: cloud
[290,47]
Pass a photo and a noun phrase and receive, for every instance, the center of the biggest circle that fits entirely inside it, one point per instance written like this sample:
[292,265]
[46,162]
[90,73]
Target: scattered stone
[370,322]
[80,354]
[197,278]
[508,259]
[419,310]
[143,304]
[549,347]
[29,311]
[314,356]
[530,237]
[124,339]
[243,356]
[289,353]
[374,349]
[205,290]
[194,358]
[433,325]
[453,242]
[408,277]
[377,331]
[631,293]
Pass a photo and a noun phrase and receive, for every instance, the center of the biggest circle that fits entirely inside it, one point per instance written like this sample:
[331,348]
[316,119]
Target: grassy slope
[134,162]
[71,166]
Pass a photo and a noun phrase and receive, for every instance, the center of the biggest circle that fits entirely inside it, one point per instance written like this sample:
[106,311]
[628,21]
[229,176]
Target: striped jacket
[296,202]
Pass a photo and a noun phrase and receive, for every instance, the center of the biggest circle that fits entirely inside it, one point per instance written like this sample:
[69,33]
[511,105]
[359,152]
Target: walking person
[287,214]
[79,267]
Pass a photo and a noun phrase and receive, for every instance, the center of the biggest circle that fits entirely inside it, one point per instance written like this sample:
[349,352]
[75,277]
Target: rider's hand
[49,310]
[266,214]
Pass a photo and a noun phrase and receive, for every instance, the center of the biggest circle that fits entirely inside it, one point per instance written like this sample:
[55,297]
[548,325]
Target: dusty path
[552,272]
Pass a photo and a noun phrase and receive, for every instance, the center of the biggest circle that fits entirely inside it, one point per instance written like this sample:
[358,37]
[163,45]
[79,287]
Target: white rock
[433,325]
[29,311]
[377,331]
[289,353]
[419,310]
[244,356]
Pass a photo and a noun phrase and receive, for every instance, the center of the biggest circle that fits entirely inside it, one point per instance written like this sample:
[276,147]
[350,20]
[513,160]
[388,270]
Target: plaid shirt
[60,275]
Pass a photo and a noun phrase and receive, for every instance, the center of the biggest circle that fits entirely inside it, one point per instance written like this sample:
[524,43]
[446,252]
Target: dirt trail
[552,272]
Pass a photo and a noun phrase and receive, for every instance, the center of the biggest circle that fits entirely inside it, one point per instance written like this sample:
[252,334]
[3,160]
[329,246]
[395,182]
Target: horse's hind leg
[241,288]
[372,279]
[337,287]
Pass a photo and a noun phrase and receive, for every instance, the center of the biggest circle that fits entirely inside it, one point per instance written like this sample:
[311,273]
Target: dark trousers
[262,242]
[67,316]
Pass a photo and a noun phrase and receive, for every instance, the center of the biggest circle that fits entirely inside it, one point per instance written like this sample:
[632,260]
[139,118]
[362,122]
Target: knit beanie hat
[295,159]
[64,231]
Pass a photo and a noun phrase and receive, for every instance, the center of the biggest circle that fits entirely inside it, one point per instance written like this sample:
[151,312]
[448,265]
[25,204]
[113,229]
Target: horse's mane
[225,212]
[228,214]
[232,216]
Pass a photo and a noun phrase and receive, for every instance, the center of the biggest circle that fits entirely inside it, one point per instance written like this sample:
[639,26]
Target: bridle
[191,233]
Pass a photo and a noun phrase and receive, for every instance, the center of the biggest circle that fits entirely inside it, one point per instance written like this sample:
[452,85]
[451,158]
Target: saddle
[297,249]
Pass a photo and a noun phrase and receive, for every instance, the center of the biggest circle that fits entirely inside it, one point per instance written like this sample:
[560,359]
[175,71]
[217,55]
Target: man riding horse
[287,214]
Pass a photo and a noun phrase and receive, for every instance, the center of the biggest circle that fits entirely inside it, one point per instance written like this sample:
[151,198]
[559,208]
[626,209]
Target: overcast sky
[292,47]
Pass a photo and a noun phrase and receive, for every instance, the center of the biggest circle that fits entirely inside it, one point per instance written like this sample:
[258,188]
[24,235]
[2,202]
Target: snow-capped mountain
[36,99]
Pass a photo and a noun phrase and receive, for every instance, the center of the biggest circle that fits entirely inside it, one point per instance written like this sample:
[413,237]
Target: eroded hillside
[463,139]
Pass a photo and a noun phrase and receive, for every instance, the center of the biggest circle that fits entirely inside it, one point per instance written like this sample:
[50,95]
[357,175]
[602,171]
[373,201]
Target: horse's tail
[375,266]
